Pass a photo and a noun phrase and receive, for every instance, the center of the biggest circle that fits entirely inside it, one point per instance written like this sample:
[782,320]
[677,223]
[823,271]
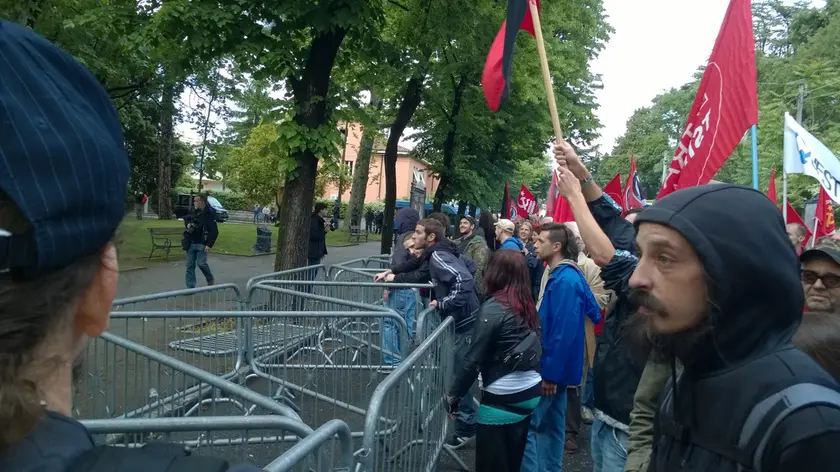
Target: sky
[656,45]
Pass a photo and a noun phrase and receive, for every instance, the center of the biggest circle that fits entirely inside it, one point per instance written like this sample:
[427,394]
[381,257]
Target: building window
[349,166]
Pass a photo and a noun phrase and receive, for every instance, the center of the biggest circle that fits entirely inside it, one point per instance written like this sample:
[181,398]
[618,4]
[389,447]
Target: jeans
[465,418]
[588,395]
[404,302]
[547,435]
[197,256]
[609,447]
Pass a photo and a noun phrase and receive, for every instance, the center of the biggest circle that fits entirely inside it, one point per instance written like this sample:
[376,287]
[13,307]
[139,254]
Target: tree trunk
[449,143]
[410,101]
[167,133]
[462,207]
[473,211]
[310,111]
[361,172]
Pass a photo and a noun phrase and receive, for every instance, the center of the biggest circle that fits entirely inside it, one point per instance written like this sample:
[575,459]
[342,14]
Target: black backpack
[152,457]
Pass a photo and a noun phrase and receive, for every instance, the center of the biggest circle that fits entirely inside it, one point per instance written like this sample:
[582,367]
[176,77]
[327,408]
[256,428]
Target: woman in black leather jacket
[506,350]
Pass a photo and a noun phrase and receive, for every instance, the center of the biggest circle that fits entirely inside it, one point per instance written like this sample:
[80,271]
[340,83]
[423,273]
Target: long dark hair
[486,222]
[507,280]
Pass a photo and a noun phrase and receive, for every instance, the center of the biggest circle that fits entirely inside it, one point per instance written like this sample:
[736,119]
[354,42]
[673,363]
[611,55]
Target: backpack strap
[152,457]
[762,421]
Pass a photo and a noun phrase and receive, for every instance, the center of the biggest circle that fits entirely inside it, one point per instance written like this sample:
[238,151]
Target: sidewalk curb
[133,269]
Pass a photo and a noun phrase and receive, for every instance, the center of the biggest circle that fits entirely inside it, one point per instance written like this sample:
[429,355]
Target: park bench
[356,234]
[162,239]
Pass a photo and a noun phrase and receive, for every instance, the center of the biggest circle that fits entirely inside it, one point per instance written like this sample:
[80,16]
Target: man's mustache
[643,298]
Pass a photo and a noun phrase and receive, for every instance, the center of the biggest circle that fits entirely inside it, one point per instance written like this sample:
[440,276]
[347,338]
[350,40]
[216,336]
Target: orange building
[407,168]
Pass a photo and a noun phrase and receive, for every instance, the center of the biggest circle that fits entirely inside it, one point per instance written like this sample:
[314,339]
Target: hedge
[375,206]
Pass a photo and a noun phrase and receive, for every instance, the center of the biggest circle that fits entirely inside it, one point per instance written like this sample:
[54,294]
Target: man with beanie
[726,308]
[62,196]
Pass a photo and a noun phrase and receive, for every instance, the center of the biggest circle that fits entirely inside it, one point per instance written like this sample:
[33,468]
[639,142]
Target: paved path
[227,269]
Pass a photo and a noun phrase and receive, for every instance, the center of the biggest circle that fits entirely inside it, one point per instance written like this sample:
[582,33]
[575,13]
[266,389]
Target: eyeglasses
[830,281]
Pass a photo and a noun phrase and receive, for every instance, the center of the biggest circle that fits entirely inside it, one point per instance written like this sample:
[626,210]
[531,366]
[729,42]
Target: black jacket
[202,227]
[616,371]
[746,355]
[495,333]
[317,237]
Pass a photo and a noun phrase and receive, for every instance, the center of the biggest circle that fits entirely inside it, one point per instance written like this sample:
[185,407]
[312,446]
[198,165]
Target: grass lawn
[134,242]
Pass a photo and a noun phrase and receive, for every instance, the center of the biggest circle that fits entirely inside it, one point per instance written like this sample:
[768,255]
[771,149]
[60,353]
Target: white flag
[805,154]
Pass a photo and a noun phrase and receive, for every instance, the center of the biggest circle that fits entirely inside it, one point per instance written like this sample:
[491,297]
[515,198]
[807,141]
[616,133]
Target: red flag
[633,189]
[725,107]
[613,190]
[793,217]
[563,212]
[823,216]
[771,187]
[495,80]
[526,204]
[551,198]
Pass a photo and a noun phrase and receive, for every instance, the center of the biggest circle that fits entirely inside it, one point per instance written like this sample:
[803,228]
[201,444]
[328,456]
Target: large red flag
[633,197]
[495,80]
[563,211]
[771,187]
[725,107]
[551,198]
[823,216]
[793,217]
[526,204]
[613,190]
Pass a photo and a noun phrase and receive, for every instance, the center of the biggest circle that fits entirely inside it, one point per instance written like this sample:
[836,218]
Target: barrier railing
[294,345]
[232,438]
[412,396]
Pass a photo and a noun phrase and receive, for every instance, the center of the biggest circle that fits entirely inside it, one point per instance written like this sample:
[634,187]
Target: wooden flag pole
[549,89]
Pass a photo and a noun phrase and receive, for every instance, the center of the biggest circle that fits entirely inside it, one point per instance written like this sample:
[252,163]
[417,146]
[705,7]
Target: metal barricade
[128,380]
[412,397]
[314,272]
[234,439]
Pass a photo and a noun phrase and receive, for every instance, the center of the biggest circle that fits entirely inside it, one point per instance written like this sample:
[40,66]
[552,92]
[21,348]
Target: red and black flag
[496,77]
[505,211]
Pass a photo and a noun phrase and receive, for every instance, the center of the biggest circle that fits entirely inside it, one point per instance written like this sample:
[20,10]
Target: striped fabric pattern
[62,157]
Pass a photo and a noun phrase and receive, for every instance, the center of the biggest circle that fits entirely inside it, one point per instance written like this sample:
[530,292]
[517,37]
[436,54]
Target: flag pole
[784,194]
[754,141]
[549,89]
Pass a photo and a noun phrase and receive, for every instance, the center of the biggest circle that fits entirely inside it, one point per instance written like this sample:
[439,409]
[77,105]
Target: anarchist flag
[633,197]
[495,80]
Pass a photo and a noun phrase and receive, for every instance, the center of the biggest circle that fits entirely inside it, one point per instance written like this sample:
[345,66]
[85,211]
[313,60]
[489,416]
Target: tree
[291,41]
[259,168]
[795,45]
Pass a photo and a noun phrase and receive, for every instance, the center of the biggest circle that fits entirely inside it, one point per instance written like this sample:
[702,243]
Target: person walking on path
[564,305]
[201,232]
[506,350]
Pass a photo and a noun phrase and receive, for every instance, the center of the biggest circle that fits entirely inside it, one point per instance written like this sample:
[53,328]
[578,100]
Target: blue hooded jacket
[513,243]
[566,301]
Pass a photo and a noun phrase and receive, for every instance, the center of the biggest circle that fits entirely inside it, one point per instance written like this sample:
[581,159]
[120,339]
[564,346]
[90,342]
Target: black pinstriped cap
[62,157]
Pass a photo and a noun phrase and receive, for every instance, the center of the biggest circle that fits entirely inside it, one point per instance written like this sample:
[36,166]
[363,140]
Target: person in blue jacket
[563,305]
[506,236]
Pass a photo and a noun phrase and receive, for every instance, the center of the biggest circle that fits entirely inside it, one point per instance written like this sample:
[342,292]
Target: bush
[231,200]
[331,204]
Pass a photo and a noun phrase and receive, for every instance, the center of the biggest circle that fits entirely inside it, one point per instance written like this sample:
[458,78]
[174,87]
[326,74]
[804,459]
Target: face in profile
[668,285]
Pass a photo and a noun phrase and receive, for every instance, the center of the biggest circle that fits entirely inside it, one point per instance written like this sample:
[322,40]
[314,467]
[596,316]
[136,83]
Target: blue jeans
[404,303]
[588,395]
[547,435]
[608,448]
[197,256]
[465,418]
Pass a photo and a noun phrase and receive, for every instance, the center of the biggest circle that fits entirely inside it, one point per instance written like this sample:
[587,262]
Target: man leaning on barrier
[62,197]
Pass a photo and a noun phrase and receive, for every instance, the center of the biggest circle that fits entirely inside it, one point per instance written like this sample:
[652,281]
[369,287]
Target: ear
[95,305]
